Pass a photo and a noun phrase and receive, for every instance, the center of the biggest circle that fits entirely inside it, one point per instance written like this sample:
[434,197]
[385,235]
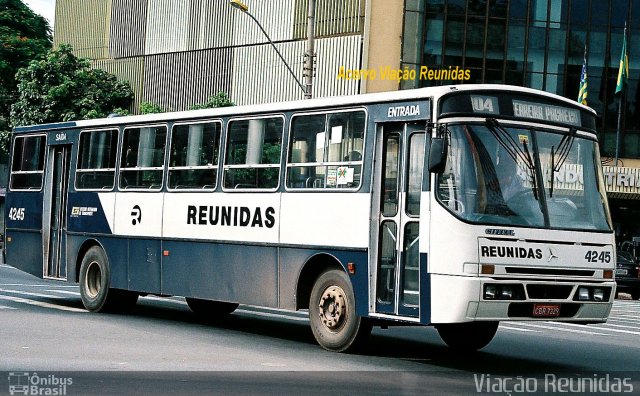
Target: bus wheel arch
[84,248]
[311,271]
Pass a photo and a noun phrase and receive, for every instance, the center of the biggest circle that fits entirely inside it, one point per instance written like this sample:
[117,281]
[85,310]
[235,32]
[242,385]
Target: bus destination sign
[546,112]
[515,105]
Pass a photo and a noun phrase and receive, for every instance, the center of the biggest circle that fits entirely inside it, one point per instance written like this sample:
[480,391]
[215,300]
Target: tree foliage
[150,108]
[24,36]
[63,87]
[221,99]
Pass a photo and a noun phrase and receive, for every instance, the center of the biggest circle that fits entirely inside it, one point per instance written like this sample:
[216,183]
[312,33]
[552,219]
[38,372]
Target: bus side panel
[292,261]
[244,274]
[115,249]
[144,267]
[24,252]
[23,240]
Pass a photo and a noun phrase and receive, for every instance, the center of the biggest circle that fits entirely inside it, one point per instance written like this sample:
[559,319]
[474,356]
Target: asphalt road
[163,348]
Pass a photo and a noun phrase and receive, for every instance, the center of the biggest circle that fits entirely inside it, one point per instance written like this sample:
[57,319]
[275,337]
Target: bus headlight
[490,292]
[503,292]
[583,294]
[598,295]
[506,293]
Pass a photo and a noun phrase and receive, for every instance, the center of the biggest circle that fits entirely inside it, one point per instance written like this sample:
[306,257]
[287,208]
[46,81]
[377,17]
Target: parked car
[628,274]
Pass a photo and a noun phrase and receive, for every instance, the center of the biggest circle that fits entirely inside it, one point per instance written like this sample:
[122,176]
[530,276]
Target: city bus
[455,207]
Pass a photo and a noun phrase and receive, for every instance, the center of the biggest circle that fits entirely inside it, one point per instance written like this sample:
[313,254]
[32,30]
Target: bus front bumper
[484,299]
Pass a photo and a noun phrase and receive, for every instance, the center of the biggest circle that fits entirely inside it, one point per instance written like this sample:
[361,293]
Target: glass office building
[534,43]
[541,44]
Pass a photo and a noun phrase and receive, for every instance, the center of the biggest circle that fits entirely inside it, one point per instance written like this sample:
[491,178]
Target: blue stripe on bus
[45,127]
[425,291]
[248,274]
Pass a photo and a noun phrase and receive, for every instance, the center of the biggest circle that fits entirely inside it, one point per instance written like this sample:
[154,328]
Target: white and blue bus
[454,206]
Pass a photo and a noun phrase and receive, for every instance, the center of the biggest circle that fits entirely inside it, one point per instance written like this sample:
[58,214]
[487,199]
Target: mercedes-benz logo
[552,255]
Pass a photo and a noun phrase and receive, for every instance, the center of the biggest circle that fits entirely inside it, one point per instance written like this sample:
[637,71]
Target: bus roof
[350,100]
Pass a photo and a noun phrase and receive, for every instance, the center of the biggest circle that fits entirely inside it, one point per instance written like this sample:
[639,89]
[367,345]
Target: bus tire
[332,313]
[207,307]
[469,336]
[95,279]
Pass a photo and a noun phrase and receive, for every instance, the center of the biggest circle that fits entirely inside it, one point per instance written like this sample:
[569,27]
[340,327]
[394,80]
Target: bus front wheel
[95,279]
[468,336]
[332,313]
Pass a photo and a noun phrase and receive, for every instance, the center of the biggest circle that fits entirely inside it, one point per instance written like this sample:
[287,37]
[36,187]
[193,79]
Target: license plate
[546,310]
[622,271]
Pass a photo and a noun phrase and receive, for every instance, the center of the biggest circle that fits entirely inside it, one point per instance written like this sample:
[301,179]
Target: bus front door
[54,224]
[398,183]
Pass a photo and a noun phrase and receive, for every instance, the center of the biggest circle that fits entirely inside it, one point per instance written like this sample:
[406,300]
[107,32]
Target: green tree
[24,36]
[221,99]
[150,108]
[63,87]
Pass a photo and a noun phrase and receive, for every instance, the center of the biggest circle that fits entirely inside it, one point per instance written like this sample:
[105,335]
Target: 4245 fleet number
[593,256]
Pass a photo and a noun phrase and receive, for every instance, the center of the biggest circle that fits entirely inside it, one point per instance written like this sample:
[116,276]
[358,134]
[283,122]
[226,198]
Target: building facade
[176,53]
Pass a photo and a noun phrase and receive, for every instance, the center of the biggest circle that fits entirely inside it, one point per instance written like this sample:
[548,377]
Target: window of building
[326,150]
[253,153]
[97,160]
[142,160]
[193,162]
[28,163]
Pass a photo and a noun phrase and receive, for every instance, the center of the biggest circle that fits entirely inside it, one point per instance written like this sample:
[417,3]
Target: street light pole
[310,54]
[244,8]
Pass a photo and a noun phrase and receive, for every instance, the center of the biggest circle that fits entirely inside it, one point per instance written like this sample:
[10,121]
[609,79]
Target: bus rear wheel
[468,336]
[332,313]
[207,307]
[95,279]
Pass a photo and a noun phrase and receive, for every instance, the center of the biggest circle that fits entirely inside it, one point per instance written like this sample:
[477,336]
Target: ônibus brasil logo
[25,383]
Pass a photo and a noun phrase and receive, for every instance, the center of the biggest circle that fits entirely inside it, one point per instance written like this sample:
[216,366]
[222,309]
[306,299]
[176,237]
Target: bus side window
[326,150]
[193,161]
[252,159]
[142,161]
[96,166]
[27,167]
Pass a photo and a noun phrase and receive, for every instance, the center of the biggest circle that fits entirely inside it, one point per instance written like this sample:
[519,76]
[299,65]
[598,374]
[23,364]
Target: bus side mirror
[438,154]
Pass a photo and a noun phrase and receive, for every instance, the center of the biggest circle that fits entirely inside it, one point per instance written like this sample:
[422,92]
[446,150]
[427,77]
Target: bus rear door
[398,182]
[54,225]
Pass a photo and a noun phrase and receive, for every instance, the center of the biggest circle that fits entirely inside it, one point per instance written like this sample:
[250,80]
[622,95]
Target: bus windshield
[505,175]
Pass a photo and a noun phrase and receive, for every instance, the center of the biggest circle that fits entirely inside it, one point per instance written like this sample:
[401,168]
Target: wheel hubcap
[333,307]
[94,280]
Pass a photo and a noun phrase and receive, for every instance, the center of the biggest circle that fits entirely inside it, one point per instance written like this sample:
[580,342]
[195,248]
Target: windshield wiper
[519,154]
[564,148]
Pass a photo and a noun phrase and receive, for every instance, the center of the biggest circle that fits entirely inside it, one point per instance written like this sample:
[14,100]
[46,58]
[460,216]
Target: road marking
[628,318]
[28,285]
[614,330]
[41,304]
[615,325]
[25,293]
[519,329]
[72,293]
[561,329]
